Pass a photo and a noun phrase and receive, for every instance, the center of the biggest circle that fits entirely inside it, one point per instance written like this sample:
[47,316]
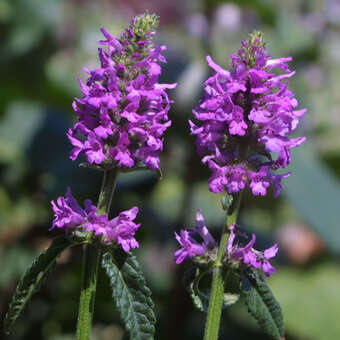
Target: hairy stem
[91,257]
[212,324]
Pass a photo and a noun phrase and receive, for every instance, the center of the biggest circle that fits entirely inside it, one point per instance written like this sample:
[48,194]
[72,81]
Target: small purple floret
[121,229]
[250,256]
[68,213]
[190,247]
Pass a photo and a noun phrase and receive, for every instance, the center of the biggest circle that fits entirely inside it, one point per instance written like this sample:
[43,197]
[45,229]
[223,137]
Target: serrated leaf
[262,304]
[33,278]
[131,294]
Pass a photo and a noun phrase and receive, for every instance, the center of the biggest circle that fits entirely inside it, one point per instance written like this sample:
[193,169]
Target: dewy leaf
[33,278]
[262,305]
[131,295]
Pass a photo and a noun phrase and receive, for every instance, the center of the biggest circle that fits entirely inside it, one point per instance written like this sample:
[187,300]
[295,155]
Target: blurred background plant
[44,44]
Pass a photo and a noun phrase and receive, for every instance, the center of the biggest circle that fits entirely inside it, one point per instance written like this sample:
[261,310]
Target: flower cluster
[250,256]
[121,229]
[190,247]
[123,111]
[247,255]
[247,114]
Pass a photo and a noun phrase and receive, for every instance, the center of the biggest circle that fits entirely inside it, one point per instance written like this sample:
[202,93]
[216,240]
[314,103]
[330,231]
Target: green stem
[107,190]
[212,324]
[91,257]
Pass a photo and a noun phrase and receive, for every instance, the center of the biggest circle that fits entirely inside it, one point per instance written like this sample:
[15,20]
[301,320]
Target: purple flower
[259,181]
[190,247]
[244,121]
[123,111]
[218,180]
[250,256]
[120,230]
[237,179]
[203,231]
[68,213]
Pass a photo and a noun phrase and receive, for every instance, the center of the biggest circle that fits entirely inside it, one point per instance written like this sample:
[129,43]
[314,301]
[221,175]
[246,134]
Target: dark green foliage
[201,297]
[33,278]
[191,281]
[231,288]
[262,304]
[227,201]
[130,293]
[232,281]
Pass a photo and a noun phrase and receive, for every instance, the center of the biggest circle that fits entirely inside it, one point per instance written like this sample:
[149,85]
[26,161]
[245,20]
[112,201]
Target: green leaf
[201,297]
[192,278]
[232,287]
[226,201]
[262,304]
[33,278]
[229,299]
[130,293]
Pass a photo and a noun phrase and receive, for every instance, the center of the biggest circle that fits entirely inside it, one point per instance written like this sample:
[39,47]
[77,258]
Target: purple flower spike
[190,247]
[123,111]
[250,256]
[120,230]
[245,119]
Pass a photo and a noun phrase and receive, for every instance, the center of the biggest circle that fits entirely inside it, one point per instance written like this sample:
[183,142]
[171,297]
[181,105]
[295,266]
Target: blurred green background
[45,44]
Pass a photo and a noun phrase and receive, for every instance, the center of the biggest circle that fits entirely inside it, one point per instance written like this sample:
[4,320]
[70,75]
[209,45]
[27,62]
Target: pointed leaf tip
[262,304]
[33,279]
[131,295]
